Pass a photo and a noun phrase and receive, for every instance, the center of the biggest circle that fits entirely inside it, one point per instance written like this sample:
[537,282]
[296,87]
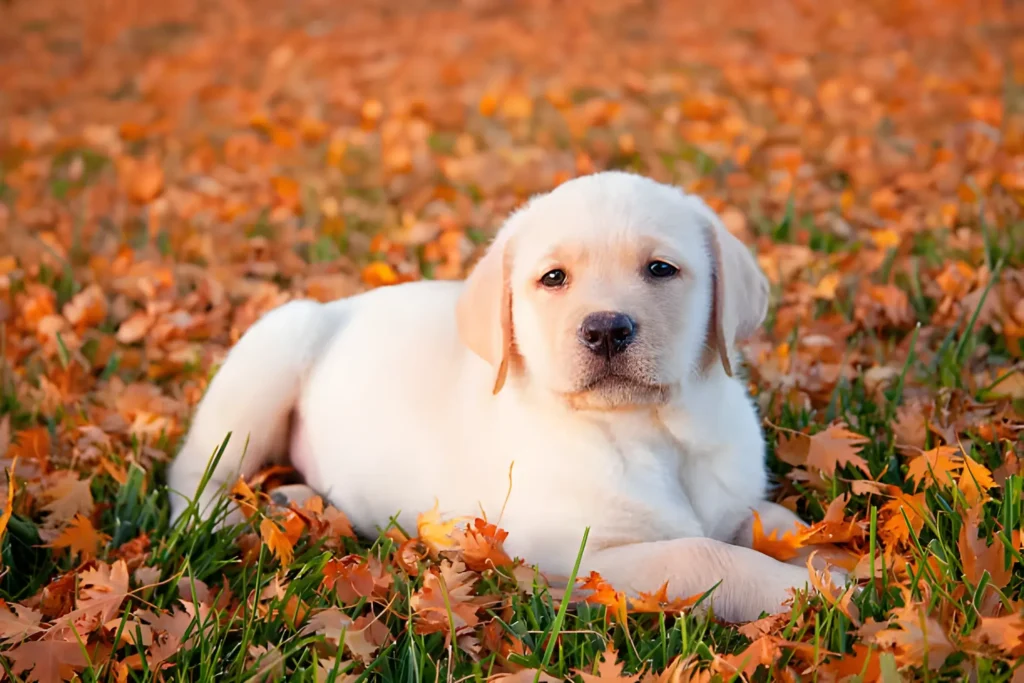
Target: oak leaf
[68,496]
[363,637]
[975,481]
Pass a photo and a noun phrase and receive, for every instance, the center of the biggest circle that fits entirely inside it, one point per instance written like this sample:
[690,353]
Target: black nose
[607,333]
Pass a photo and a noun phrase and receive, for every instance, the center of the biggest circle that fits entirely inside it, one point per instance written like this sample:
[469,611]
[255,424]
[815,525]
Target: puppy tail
[251,397]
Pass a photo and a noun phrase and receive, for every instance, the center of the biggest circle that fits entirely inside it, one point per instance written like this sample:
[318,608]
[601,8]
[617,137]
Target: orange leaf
[379,274]
[939,465]
[604,594]
[975,481]
[1006,633]
[781,548]
[81,537]
[31,443]
[145,180]
[482,546]
[659,602]
[978,556]
[277,541]
[48,661]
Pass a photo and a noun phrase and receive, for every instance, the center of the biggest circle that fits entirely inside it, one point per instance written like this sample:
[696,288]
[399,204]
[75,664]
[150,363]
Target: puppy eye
[553,278]
[661,269]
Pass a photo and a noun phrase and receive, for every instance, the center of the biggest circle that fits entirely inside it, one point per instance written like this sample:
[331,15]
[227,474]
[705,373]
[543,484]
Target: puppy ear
[740,300]
[484,309]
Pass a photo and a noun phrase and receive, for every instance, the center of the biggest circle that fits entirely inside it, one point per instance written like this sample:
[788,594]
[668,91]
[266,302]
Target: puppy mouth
[616,391]
[614,379]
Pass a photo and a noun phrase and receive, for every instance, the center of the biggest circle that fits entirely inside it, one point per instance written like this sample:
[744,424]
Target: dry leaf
[81,537]
[607,670]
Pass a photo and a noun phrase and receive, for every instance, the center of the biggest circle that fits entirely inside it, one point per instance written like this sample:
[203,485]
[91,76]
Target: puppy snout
[607,333]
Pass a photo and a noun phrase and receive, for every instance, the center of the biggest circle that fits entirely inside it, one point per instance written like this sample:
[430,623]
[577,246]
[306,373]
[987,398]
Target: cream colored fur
[391,399]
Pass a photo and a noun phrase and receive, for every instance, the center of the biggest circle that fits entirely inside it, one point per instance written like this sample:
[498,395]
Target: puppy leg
[751,583]
[251,397]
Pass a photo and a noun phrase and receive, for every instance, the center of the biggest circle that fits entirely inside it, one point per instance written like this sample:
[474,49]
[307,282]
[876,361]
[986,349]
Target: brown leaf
[978,556]
[101,592]
[1005,633]
[20,624]
[47,661]
[449,587]
[918,640]
[836,447]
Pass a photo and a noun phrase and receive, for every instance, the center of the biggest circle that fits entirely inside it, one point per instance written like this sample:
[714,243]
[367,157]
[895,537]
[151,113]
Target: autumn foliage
[170,172]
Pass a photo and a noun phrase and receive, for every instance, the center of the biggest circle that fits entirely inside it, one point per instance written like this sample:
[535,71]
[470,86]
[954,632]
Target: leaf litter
[170,173]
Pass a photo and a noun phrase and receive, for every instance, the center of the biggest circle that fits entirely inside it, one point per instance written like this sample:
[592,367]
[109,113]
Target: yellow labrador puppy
[591,351]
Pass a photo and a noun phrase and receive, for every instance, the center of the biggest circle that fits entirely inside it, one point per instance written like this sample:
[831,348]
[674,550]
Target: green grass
[555,637]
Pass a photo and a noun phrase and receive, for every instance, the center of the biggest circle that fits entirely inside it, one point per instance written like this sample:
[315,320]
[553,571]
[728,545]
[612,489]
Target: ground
[170,172]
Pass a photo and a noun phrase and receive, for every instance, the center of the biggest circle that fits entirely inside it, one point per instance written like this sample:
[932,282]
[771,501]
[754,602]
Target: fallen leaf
[20,624]
[836,447]
[47,661]
[782,548]
[277,541]
[81,538]
[939,466]
[978,556]
[607,670]
[918,640]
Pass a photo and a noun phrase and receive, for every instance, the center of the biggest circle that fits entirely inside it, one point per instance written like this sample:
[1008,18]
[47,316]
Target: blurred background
[256,150]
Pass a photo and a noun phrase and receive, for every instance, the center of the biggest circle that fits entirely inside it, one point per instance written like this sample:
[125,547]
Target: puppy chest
[662,493]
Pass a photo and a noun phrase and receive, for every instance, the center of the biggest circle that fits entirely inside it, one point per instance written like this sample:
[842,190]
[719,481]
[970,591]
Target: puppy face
[608,292]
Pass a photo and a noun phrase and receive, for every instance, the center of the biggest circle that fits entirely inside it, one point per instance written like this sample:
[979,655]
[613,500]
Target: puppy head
[612,291]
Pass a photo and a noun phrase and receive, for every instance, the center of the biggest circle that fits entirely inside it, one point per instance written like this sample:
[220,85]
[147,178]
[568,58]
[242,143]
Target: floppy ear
[484,309]
[740,300]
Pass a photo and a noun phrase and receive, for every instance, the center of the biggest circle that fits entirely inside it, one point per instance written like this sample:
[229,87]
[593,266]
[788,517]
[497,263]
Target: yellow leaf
[5,517]
[378,274]
[435,533]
